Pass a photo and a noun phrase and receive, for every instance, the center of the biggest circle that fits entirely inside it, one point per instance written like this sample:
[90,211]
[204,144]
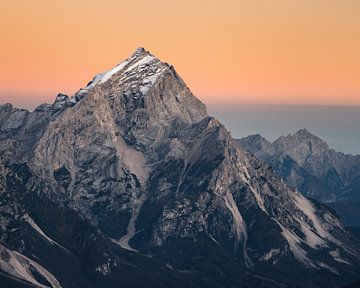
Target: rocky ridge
[306,162]
[136,157]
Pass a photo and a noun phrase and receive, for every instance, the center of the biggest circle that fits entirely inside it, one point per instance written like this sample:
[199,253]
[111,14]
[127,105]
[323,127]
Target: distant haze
[339,126]
[248,51]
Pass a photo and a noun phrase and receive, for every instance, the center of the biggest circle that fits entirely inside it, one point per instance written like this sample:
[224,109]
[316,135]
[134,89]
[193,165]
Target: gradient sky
[228,51]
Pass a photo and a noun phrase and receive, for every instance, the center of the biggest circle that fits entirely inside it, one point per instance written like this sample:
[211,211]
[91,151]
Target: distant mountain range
[130,183]
[306,162]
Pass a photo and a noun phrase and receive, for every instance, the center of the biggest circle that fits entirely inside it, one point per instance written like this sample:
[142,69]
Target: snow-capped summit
[138,159]
[141,67]
[140,82]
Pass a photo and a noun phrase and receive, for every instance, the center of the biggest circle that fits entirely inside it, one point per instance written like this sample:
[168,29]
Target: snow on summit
[139,62]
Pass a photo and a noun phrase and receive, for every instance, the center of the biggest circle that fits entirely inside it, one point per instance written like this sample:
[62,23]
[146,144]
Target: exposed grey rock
[135,154]
[306,162]
[61,102]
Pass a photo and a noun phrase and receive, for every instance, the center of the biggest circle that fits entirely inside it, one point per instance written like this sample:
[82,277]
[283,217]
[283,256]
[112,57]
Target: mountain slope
[51,246]
[307,163]
[135,155]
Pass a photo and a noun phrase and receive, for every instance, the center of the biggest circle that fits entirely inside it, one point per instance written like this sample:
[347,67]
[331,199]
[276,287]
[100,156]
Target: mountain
[129,182]
[306,162]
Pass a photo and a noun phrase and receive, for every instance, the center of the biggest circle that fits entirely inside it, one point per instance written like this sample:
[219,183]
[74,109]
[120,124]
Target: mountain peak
[256,142]
[141,70]
[304,133]
[304,136]
[141,51]
[140,66]
[144,83]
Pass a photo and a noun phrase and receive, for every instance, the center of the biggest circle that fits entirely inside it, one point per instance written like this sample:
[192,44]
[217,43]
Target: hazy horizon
[282,55]
[246,51]
[31,104]
[335,124]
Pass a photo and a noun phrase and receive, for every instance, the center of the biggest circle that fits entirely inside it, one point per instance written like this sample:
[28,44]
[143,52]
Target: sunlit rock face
[154,190]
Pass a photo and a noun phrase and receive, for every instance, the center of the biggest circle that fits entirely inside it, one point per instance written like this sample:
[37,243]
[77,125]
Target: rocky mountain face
[130,182]
[306,162]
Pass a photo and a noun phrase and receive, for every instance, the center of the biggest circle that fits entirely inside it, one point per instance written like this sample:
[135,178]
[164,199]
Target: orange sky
[228,51]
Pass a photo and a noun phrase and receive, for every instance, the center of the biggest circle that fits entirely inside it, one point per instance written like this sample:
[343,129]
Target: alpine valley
[129,183]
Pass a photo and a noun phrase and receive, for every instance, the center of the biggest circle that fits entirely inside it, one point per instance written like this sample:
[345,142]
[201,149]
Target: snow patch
[103,77]
[143,61]
[312,239]
[337,257]
[239,223]
[294,244]
[267,256]
[32,223]
[331,269]
[22,267]
[104,269]
[213,239]
[95,80]
[148,81]
[308,209]
[107,75]
[259,199]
